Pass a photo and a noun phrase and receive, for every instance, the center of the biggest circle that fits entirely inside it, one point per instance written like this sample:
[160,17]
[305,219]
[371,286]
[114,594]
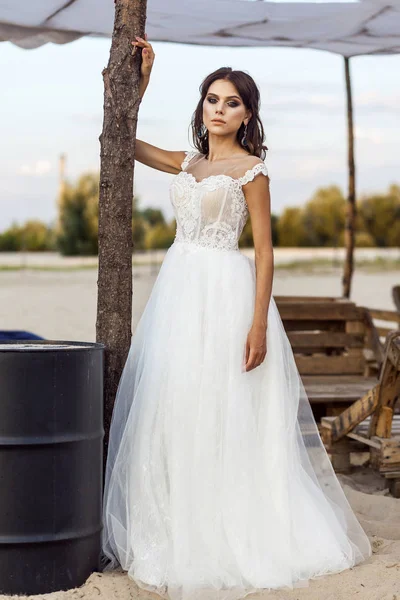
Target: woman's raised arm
[163,160]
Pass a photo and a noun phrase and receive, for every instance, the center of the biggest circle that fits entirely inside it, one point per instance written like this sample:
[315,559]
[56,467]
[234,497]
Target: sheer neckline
[242,180]
[226,157]
[215,175]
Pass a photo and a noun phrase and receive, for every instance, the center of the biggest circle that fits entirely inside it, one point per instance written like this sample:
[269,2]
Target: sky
[51,102]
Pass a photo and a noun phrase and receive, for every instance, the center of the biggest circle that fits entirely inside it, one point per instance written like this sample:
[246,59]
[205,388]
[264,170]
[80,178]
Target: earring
[203,131]
[244,139]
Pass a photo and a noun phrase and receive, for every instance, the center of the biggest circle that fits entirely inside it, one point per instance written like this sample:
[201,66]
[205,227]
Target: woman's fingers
[147,51]
[251,362]
[139,41]
[255,359]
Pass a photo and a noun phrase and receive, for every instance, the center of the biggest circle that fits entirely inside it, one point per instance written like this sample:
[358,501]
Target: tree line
[319,222]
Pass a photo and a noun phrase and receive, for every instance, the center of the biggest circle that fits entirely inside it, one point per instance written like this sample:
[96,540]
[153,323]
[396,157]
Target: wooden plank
[363,439]
[323,339]
[327,422]
[393,349]
[363,428]
[295,325]
[331,388]
[396,421]
[353,415]
[279,299]
[326,311]
[331,402]
[329,365]
[384,315]
[358,327]
[372,340]
[384,423]
[389,381]
[382,466]
[391,454]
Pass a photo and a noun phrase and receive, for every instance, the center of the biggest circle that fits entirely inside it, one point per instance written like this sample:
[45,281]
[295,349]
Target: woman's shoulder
[190,156]
[250,167]
[250,160]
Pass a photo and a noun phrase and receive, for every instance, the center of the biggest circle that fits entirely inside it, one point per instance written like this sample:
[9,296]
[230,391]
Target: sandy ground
[62,305]
[377,578]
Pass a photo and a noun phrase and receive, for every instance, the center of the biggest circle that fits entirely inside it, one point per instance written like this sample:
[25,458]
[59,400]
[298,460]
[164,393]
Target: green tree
[380,215]
[324,217]
[10,239]
[153,216]
[363,240]
[161,236]
[139,226]
[37,236]
[79,217]
[33,236]
[290,228]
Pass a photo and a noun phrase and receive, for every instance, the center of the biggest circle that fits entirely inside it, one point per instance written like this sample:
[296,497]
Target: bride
[217,482]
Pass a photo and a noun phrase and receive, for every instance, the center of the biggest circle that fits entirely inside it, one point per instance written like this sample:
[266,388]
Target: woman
[217,482]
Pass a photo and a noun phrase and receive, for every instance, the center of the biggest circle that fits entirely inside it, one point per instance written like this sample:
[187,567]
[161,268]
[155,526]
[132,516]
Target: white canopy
[349,29]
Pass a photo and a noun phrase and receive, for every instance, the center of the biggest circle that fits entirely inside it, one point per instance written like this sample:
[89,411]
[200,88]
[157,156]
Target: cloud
[88,117]
[331,103]
[305,101]
[311,167]
[37,169]
[376,102]
[372,135]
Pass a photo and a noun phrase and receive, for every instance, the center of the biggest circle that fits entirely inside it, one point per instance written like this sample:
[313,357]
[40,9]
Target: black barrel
[51,463]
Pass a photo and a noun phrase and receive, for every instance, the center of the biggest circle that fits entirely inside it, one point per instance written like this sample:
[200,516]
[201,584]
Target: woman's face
[222,101]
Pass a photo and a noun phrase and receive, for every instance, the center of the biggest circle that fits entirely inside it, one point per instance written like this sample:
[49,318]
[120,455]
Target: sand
[377,578]
[61,305]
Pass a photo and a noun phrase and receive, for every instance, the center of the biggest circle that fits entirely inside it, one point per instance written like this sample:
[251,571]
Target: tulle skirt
[217,482]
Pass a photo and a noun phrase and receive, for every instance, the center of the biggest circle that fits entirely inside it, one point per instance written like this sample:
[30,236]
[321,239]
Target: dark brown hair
[250,94]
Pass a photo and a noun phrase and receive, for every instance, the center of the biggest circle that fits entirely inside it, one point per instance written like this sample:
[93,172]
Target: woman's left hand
[256,347]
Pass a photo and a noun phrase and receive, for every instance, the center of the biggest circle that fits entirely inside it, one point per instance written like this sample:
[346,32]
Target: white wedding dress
[217,482]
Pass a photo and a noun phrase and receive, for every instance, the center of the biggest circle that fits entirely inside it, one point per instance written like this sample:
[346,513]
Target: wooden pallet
[371,421]
[336,349]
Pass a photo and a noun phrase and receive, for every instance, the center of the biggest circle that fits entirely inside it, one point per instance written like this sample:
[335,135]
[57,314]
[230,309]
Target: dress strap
[260,167]
[189,155]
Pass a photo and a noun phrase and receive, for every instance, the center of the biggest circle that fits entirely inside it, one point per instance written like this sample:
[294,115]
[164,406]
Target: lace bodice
[211,209]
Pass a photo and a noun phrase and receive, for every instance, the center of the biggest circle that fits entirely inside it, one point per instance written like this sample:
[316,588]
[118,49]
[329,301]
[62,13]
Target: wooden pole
[117,149]
[349,231]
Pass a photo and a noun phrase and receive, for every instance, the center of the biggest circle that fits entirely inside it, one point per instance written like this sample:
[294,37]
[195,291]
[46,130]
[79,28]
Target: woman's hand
[148,56]
[256,347]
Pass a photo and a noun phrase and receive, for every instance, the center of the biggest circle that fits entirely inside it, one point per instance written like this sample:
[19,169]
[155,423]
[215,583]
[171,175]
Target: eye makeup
[232,103]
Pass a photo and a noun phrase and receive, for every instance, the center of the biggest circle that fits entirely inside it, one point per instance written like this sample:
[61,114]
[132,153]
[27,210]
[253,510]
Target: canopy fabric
[349,29]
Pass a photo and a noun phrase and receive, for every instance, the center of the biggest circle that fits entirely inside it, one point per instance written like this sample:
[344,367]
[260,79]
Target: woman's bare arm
[259,203]
[163,160]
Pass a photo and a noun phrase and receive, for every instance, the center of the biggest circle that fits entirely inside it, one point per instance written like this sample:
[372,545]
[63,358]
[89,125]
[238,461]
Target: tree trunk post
[117,149]
[349,231]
